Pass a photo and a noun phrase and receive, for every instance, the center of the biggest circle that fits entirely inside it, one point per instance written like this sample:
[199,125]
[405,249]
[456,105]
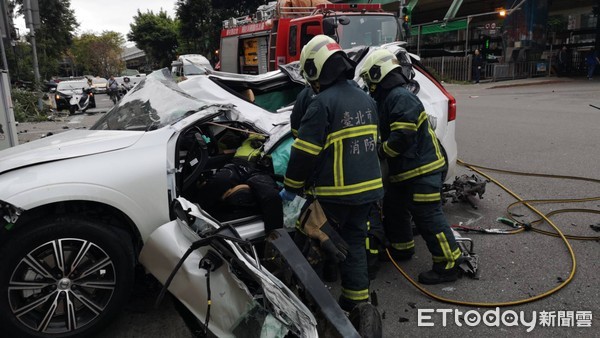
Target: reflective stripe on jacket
[409,142]
[335,154]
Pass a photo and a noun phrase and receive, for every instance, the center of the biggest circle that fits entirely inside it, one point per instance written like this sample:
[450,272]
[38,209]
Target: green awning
[442,27]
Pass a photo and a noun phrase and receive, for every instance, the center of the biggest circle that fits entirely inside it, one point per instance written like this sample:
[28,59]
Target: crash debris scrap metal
[464,189]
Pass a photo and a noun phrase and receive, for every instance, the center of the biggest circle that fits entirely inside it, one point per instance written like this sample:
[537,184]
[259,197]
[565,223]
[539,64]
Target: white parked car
[190,65]
[76,208]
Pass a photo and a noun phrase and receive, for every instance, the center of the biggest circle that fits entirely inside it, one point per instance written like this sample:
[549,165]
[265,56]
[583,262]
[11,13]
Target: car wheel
[65,277]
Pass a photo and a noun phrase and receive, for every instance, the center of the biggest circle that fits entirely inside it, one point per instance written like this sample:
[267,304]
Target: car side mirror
[329,26]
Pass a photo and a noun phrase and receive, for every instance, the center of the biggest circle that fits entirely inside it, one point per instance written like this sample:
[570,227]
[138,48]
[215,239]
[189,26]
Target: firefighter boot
[438,275]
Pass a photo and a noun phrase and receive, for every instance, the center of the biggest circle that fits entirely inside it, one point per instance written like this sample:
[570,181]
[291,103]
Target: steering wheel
[195,158]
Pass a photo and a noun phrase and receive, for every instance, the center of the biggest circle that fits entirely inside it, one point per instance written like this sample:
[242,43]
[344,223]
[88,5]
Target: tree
[55,35]
[99,55]
[19,58]
[156,35]
[200,22]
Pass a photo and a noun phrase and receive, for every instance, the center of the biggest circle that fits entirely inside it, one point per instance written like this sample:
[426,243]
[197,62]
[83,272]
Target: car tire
[366,320]
[64,277]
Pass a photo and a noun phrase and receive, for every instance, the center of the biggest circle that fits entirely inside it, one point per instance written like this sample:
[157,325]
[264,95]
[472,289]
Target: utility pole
[5,26]
[29,18]
[8,130]
[597,14]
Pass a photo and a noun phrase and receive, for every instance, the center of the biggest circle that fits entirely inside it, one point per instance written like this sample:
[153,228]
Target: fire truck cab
[275,35]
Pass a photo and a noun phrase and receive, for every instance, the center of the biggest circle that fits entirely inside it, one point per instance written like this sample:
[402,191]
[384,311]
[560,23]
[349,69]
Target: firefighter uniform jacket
[303,99]
[335,154]
[409,142]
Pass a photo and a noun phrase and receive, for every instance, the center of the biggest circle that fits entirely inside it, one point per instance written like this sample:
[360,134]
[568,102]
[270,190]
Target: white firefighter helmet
[377,65]
[314,55]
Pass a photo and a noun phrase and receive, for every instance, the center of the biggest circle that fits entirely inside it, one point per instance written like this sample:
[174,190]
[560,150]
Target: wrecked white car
[276,92]
[78,207]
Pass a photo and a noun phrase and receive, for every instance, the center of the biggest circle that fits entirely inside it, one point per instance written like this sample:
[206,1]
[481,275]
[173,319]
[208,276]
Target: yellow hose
[543,217]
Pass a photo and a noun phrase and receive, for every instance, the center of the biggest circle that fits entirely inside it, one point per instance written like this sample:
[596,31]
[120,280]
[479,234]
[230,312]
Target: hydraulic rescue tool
[468,261]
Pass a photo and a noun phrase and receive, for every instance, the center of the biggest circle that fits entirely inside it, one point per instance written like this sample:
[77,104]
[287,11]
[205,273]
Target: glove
[314,224]
[286,195]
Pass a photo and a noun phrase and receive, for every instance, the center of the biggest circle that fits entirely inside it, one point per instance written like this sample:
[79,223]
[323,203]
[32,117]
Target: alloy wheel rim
[61,286]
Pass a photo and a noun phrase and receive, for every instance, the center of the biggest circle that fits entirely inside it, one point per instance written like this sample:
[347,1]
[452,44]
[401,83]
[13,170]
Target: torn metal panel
[233,285]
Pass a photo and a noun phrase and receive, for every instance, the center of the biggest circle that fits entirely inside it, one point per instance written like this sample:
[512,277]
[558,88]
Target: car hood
[74,143]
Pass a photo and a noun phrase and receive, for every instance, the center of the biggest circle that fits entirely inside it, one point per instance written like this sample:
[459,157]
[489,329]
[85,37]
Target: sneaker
[432,277]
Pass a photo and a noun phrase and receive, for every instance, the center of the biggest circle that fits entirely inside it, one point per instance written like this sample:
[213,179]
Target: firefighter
[303,99]
[416,165]
[375,232]
[334,158]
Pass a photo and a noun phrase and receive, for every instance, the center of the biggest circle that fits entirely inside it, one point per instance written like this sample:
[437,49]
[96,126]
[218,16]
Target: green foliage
[25,105]
[557,23]
[19,61]
[196,17]
[98,54]
[55,35]
[155,34]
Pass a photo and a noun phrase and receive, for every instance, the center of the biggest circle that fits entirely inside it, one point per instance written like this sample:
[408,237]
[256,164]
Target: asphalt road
[532,126]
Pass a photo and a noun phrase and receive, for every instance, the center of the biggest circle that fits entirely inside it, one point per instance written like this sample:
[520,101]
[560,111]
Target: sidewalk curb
[528,84]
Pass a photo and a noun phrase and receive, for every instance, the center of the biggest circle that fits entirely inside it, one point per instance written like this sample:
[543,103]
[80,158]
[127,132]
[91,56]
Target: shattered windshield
[199,69]
[368,30]
[155,102]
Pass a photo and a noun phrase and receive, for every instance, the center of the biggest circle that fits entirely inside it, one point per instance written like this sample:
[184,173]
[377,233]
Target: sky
[115,15]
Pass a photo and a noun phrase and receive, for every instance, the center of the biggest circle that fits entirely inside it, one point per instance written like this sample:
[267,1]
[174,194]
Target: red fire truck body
[276,35]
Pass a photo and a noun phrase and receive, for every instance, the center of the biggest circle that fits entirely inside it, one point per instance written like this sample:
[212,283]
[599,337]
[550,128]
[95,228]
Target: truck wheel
[366,320]
[64,277]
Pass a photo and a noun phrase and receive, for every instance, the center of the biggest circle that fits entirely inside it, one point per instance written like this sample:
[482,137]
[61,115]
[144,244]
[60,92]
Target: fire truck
[275,34]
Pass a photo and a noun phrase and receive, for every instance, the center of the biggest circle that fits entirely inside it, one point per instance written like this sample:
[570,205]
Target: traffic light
[406,12]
